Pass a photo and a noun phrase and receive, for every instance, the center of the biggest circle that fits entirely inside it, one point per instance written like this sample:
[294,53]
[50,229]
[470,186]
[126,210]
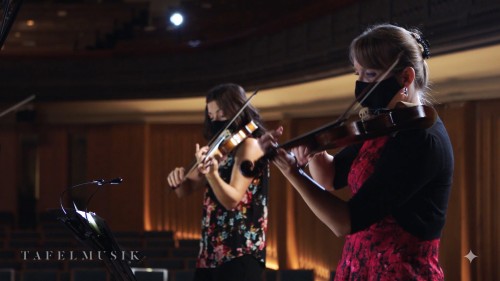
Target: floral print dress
[228,234]
[384,251]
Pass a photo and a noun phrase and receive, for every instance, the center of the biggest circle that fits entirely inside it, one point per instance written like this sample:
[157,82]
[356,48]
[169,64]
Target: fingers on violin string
[204,150]
[296,152]
[202,169]
[207,166]
[205,162]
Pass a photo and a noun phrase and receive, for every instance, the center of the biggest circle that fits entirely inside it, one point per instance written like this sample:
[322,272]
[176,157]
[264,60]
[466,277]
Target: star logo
[470,256]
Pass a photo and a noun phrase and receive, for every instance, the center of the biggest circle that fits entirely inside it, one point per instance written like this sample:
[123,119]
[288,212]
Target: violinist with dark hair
[400,182]
[234,221]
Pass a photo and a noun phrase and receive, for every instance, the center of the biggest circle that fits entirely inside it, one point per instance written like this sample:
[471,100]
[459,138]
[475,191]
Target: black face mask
[217,126]
[381,95]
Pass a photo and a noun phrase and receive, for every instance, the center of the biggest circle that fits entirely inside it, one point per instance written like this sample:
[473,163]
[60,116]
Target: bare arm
[320,164]
[331,210]
[230,194]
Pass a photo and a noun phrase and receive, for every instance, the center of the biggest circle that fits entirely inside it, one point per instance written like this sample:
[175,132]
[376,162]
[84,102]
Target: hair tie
[424,44]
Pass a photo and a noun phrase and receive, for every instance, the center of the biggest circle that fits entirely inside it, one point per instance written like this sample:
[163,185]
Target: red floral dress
[384,251]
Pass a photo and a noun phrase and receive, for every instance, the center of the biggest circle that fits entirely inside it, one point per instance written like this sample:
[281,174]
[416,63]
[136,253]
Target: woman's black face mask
[381,95]
[217,126]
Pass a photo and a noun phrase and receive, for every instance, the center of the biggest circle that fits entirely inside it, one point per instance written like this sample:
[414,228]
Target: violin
[340,134]
[225,143]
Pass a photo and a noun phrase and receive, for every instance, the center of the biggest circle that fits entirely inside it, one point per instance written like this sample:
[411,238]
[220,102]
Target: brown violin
[343,133]
[225,143]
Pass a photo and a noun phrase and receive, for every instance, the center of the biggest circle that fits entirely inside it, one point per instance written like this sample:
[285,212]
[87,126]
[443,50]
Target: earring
[405,91]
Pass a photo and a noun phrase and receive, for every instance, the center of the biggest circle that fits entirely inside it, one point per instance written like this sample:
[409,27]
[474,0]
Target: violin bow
[16,106]
[347,112]
[247,102]
[10,9]
[356,102]
[219,134]
[367,92]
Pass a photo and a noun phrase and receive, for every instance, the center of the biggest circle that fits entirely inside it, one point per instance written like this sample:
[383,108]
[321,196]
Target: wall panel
[118,151]
[8,169]
[455,237]
[174,146]
[485,225]
[53,167]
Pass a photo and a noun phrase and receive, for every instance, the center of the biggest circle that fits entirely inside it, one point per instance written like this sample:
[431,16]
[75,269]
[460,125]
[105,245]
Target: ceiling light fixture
[176,19]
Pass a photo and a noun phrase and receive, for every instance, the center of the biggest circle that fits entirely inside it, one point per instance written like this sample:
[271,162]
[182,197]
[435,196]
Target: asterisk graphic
[470,256]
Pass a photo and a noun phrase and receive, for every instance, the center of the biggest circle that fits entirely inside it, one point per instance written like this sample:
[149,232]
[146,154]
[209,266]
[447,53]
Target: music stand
[92,231]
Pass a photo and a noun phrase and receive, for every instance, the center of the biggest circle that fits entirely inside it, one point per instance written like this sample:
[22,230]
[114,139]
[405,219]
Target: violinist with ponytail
[400,182]
[234,219]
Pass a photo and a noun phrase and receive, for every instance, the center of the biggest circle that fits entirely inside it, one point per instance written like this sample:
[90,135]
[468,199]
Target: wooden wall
[482,195]
[111,151]
[143,154]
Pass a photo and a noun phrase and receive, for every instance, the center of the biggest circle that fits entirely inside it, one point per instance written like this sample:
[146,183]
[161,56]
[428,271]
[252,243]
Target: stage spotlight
[176,19]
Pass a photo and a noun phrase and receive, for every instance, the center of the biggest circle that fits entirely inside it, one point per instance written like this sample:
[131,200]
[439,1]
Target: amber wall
[142,154]
[110,151]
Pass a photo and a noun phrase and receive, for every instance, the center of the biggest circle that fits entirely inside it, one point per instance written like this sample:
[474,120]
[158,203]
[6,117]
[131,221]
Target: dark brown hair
[230,98]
